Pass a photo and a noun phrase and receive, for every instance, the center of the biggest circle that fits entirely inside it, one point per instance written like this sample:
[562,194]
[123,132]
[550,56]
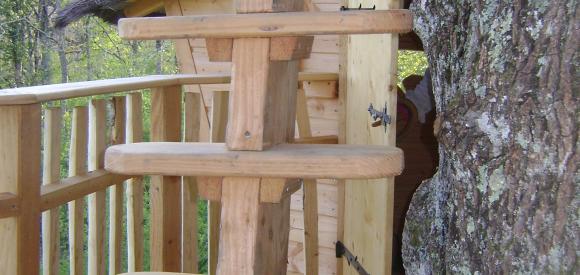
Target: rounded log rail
[266,24]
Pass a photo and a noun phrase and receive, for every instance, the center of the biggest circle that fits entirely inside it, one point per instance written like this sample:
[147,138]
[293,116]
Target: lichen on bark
[506,196]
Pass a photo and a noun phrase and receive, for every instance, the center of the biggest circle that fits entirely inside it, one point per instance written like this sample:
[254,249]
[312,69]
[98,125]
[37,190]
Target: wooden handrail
[266,24]
[69,189]
[38,94]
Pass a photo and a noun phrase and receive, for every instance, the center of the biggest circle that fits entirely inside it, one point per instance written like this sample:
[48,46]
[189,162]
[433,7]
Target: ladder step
[306,161]
[266,24]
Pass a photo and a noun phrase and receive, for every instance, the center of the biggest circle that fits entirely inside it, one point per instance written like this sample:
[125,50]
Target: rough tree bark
[506,196]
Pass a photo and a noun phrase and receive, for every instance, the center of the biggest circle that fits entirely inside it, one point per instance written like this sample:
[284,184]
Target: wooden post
[166,191]
[254,235]
[189,259]
[219,121]
[77,165]
[371,73]
[97,201]
[51,174]
[134,188]
[20,175]
[310,200]
[116,192]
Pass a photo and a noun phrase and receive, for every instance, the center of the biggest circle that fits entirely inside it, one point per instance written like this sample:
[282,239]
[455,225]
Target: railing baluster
[219,119]
[97,138]
[165,191]
[134,188]
[116,192]
[20,175]
[50,174]
[77,165]
[189,189]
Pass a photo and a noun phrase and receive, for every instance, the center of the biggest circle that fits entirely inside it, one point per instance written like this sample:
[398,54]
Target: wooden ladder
[256,170]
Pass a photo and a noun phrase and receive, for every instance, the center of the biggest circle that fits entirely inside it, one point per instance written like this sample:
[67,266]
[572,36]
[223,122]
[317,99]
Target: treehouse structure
[269,121]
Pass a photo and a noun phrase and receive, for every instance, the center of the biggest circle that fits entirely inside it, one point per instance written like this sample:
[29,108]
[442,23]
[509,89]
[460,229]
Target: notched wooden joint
[281,48]
[273,190]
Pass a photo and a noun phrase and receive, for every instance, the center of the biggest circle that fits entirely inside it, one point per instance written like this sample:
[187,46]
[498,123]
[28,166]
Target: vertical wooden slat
[97,201]
[77,165]
[189,189]
[310,200]
[116,192]
[134,188]
[20,174]
[166,191]
[50,174]
[219,121]
[372,78]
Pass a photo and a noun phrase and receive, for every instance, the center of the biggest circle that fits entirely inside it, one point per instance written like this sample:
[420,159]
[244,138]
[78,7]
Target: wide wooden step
[307,161]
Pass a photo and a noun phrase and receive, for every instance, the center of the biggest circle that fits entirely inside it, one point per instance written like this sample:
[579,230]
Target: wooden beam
[116,190]
[75,188]
[266,25]
[77,166]
[166,191]
[51,173]
[313,161]
[372,78]
[189,193]
[29,95]
[97,200]
[317,140]
[20,175]
[135,188]
[38,94]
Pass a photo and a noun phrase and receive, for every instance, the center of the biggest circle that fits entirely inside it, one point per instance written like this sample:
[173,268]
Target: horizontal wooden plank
[326,259]
[9,205]
[266,24]
[142,8]
[327,199]
[73,188]
[317,140]
[282,161]
[37,94]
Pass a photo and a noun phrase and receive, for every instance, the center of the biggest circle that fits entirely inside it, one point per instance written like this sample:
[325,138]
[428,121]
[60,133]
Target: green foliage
[411,62]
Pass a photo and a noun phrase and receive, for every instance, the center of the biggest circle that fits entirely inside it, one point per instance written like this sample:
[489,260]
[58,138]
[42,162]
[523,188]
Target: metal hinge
[360,8]
[352,260]
[379,117]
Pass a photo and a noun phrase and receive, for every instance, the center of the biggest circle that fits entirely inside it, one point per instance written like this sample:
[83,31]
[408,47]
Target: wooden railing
[31,186]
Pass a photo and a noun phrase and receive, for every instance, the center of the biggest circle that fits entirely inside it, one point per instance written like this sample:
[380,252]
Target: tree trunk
[159,56]
[60,34]
[45,71]
[506,196]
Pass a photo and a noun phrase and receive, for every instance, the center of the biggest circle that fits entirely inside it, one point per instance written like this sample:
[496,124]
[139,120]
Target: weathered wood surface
[266,25]
[311,161]
[20,164]
[166,191]
[9,205]
[189,188]
[51,173]
[371,77]
[116,191]
[505,197]
[77,166]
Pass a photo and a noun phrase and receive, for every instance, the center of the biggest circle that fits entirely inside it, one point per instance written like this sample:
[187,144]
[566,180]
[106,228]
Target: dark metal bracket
[379,117]
[352,260]
[360,8]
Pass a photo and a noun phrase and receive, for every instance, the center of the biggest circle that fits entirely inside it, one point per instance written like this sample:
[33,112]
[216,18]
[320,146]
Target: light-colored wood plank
[266,25]
[189,193]
[251,67]
[218,134]
[219,49]
[134,188]
[166,191]
[116,191]
[77,166]
[51,173]
[281,48]
[273,190]
[74,188]
[38,94]
[252,6]
[311,161]
[97,200]
[20,174]
[372,70]
[302,116]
